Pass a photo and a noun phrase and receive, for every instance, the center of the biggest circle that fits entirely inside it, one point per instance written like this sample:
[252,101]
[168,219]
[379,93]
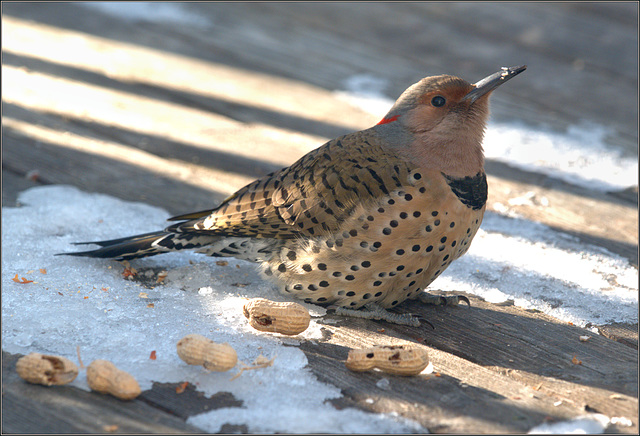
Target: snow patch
[594,423]
[81,302]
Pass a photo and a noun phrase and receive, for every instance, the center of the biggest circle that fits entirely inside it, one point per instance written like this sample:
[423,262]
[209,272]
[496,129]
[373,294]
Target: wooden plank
[624,333]
[565,52]
[522,361]
[322,44]
[62,166]
[28,408]
[190,402]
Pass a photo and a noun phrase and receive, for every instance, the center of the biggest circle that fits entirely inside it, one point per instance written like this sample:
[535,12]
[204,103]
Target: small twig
[260,362]
[79,358]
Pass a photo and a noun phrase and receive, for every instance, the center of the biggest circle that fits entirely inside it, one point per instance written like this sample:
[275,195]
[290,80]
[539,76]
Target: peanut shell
[46,370]
[196,349]
[104,377]
[393,359]
[269,316]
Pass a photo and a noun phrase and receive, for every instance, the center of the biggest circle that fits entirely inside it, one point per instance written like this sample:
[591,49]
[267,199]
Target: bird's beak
[491,82]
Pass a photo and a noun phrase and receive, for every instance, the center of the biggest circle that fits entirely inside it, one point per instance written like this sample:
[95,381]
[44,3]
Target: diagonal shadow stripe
[234,110]
[154,144]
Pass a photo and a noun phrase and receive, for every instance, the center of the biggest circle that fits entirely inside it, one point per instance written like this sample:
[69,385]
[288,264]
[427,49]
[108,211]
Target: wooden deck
[181,116]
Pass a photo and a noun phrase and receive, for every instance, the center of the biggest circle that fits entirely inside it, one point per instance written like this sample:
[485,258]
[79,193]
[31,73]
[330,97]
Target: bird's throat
[458,158]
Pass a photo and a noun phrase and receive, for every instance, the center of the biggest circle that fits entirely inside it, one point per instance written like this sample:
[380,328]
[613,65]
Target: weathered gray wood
[28,408]
[189,402]
[322,44]
[502,369]
[96,174]
[522,361]
[624,333]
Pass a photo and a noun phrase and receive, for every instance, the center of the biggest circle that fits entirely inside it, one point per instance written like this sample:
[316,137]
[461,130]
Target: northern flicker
[366,220]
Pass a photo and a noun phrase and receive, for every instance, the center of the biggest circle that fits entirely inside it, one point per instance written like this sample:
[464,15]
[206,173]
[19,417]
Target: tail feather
[110,242]
[192,215]
[133,247]
[150,244]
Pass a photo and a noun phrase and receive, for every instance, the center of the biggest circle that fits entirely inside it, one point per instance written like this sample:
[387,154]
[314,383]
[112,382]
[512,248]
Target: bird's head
[439,122]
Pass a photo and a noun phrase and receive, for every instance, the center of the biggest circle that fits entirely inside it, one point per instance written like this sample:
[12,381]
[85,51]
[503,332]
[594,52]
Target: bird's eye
[438,101]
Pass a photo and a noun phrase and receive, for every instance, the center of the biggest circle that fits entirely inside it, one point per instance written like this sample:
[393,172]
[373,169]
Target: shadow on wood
[234,110]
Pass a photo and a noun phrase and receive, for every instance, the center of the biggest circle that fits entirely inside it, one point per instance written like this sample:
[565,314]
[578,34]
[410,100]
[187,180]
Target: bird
[363,222]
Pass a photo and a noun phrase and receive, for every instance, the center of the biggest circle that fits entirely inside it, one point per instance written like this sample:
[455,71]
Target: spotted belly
[387,252]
